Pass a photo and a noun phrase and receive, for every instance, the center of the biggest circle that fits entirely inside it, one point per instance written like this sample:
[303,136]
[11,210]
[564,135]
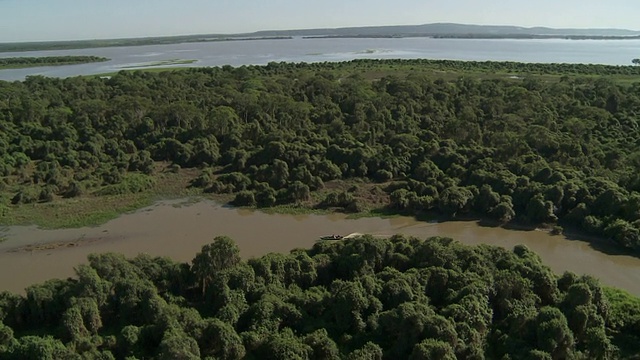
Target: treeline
[146,41]
[365,298]
[476,36]
[536,36]
[18,62]
[525,69]
[560,152]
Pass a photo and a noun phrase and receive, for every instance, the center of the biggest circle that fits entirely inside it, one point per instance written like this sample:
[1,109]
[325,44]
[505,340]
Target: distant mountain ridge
[439,29]
[436,30]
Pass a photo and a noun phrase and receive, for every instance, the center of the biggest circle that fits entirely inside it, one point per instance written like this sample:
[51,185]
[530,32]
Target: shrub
[266,197]
[383,175]
[557,230]
[131,184]
[204,180]
[73,190]
[27,195]
[47,193]
[245,198]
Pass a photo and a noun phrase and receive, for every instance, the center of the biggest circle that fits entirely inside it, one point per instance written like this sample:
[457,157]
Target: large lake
[260,52]
[30,255]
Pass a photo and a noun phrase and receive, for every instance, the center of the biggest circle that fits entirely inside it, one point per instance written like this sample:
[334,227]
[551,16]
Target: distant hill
[438,30]
[451,29]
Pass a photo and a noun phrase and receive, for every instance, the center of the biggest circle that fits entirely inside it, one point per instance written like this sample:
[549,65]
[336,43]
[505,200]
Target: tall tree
[221,254]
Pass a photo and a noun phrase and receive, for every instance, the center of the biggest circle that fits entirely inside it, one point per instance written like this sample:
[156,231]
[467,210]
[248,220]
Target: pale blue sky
[35,20]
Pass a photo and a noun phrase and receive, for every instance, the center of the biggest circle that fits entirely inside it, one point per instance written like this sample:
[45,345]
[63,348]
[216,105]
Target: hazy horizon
[58,20]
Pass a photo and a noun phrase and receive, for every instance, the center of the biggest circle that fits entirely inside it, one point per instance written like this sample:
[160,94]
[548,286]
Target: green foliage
[432,349]
[458,138]
[20,62]
[370,351]
[245,198]
[222,254]
[130,184]
[176,344]
[623,319]
[454,200]
[221,340]
[46,348]
[26,195]
[538,150]
[360,298]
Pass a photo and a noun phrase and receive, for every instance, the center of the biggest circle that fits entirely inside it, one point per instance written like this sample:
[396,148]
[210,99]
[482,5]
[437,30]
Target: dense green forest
[552,144]
[366,298]
[23,62]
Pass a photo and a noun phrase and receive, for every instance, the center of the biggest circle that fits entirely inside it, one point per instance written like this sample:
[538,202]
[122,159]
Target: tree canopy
[551,144]
[359,298]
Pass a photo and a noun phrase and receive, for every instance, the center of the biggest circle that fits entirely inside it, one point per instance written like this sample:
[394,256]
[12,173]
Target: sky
[48,20]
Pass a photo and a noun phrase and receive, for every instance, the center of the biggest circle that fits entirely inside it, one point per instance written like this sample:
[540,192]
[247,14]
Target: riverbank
[399,282]
[29,62]
[299,142]
[477,37]
[180,227]
[93,211]
[92,44]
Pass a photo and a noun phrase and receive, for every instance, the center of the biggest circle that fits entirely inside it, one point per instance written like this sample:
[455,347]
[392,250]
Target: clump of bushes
[343,199]
[245,198]
[131,184]
[27,195]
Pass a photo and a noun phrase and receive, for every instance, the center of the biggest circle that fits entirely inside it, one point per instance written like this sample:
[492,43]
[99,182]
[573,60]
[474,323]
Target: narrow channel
[178,229]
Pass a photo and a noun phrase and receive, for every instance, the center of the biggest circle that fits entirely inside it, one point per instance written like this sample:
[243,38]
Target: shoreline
[26,62]
[477,37]
[99,44]
[597,243]
[177,227]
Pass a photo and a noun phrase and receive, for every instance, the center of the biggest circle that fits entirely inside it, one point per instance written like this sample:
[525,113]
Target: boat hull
[332,237]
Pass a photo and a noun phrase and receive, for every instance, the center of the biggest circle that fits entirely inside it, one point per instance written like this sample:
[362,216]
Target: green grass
[92,210]
[293,210]
[74,213]
[375,213]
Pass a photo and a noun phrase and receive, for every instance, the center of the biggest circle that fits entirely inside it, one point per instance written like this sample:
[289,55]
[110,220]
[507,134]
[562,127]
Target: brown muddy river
[179,230]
